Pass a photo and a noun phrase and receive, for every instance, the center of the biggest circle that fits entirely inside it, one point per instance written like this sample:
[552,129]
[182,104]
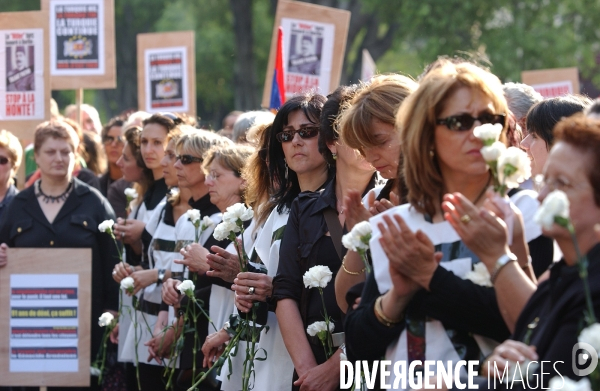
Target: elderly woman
[369,126]
[550,323]
[421,300]
[60,211]
[11,154]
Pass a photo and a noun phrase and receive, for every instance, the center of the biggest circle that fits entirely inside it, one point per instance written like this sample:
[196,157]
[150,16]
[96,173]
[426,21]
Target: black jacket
[75,226]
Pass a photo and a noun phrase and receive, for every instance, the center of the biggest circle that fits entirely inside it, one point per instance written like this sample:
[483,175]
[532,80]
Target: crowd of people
[391,151]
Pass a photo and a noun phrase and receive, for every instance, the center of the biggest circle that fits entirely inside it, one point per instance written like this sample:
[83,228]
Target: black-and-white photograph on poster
[308,53]
[305,52]
[77,38]
[166,79]
[22,72]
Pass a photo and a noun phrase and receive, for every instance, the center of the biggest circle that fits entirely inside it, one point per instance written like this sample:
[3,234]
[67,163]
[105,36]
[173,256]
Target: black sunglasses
[306,132]
[3,160]
[465,121]
[111,139]
[189,159]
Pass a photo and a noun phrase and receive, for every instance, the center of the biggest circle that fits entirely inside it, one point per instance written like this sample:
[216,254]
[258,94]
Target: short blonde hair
[417,118]
[380,100]
[11,143]
[200,142]
[232,157]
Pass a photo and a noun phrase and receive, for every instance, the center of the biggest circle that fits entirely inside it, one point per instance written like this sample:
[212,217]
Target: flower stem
[329,341]
[582,263]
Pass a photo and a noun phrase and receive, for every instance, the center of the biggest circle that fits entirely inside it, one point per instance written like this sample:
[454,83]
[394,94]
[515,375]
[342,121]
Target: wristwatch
[500,263]
[161,276]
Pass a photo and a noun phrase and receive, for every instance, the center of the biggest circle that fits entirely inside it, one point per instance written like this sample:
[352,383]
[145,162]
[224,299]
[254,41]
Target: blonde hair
[417,118]
[200,142]
[379,100]
[13,147]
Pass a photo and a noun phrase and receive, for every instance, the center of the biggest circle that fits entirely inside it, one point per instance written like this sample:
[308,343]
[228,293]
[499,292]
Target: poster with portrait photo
[22,72]
[166,79]
[77,38]
[308,51]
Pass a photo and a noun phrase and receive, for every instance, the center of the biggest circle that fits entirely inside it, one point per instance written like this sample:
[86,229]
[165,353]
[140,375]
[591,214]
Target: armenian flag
[277,86]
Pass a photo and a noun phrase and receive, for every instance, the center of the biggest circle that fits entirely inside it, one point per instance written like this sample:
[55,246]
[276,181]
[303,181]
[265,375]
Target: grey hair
[247,120]
[520,97]
[200,142]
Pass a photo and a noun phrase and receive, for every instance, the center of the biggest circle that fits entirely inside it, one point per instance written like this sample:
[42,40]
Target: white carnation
[193,215]
[185,286]
[488,132]
[207,222]
[556,204]
[479,275]
[131,194]
[127,284]
[237,212]
[317,277]
[105,319]
[591,335]
[317,327]
[363,229]
[343,357]
[514,167]
[223,230]
[95,371]
[492,153]
[563,383]
[352,242]
[106,226]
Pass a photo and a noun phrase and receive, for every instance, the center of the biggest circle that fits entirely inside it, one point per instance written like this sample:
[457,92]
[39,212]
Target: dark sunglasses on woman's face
[465,121]
[3,160]
[111,139]
[189,159]
[306,132]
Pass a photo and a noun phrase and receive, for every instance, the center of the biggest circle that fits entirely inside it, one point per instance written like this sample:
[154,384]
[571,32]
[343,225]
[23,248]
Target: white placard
[44,319]
[307,57]
[166,79]
[554,89]
[22,74]
[77,37]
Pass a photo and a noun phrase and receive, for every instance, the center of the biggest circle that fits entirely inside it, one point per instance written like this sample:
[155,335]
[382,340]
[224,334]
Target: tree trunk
[244,78]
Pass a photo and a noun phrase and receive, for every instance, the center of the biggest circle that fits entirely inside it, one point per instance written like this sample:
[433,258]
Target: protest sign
[553,82]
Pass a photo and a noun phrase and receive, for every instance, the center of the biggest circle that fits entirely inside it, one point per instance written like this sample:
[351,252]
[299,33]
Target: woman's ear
[332,147]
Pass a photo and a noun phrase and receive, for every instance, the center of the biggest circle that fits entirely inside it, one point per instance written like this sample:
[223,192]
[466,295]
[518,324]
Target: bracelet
[352,273]
[500,263]
[381,316]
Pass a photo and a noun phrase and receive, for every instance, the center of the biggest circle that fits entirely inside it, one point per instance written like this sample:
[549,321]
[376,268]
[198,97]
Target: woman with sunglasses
[425,301]
[368,125]
[313,237]
[191,175]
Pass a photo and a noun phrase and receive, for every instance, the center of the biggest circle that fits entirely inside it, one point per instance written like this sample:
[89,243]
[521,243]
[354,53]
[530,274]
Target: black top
[87,176]
[75,226]
[558,304]
[11,192]
[307,243]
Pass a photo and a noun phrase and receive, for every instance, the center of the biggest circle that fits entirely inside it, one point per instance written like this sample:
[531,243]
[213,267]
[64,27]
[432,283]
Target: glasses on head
[189,159]
[465,121]
[112,139]
[3,160]
[305,132]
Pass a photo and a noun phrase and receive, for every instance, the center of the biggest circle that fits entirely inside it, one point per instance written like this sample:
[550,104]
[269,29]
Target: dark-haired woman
[313,237]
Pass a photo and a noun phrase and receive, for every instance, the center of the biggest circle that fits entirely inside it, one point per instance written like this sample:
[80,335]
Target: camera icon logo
[581,354]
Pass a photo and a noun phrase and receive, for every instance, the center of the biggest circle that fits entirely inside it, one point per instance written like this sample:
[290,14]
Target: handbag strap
[335,229]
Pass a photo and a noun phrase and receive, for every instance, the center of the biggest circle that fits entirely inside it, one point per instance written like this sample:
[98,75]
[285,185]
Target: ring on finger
[465,219]
[251,290]
[114,272]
